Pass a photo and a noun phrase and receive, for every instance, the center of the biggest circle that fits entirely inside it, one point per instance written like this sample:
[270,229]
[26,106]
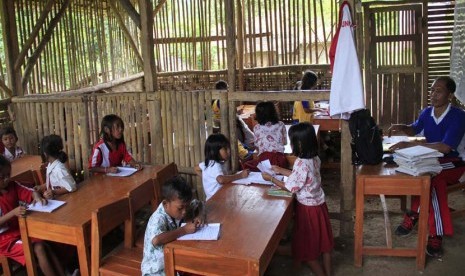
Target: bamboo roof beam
[130,10]
[35,32]
[158,7]
[47,36]
[126,32]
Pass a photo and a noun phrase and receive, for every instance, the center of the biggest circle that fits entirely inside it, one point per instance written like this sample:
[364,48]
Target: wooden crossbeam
[131,11]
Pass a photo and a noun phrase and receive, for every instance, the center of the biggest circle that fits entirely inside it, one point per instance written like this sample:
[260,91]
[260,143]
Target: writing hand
[112,170]
[138,166]
[245,173]
[20,211]
[48,194]
[190,228]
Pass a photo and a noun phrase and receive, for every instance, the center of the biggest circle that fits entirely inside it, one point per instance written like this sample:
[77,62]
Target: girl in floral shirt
[270,137]
[312,235]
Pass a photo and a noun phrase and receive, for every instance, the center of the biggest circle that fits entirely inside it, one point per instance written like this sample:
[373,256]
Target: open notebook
[50,207]
[123,171]
[210,232]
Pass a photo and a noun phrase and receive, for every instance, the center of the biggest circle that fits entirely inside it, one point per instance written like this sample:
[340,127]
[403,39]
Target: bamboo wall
[186,122]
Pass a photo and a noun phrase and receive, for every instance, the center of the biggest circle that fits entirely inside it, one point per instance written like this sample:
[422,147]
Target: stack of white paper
[418,160]
[256,178]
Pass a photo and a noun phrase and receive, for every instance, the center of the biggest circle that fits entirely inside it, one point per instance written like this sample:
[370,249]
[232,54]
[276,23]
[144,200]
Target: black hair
[221,85]
[4,162]
[196,208]
[303,140]
[108,122]
[449,82]
[8,130]
[52,145]
[213,145]
[177,187]
[309,80]
[266,112]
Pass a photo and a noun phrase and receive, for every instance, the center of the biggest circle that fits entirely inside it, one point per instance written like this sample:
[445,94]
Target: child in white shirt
[59,180]
[217,150]
[9,139]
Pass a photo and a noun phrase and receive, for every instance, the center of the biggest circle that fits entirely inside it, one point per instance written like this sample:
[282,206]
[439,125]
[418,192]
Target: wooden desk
[27,167]
[381,179]
[70,224]
[252,223]
[326,123]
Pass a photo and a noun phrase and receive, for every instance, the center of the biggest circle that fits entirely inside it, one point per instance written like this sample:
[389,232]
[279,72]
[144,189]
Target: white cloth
[209,175]
[18,153]
[269,137]
[457,59]
[346,86]
[59,176]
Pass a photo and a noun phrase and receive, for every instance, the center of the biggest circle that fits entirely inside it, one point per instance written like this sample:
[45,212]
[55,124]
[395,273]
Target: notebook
[418,152]
[209,232]
[50,207]
[124,171]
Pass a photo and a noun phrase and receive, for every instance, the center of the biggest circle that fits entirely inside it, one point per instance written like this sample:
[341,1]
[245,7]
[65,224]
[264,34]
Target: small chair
[140,197]
[123,260]
[5,266]
[459,186]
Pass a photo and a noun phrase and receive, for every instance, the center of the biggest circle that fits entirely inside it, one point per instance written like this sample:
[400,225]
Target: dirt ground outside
[452,262]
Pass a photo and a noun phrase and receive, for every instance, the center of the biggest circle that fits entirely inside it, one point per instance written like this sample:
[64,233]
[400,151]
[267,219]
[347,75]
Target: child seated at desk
[9,139]
[217,151]
[58,179]
[270,137]
[110,151]
[11,194]
[164,224]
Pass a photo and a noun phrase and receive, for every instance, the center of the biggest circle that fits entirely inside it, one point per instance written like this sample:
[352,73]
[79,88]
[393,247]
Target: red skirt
[276,158]
[312,232]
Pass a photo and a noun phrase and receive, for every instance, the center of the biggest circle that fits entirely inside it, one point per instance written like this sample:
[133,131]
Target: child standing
[270,137]
[9,139]
[164,225]
[59,180]
[312,235]
[11,193]
[212,171]
[110,151]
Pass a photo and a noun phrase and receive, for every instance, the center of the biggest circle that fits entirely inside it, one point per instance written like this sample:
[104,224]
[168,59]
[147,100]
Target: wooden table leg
[359,206]
[169,262]
[31,264]
[423,224]
[83,252]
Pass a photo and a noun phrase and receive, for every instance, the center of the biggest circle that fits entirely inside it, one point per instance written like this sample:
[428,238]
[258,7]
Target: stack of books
[418,160]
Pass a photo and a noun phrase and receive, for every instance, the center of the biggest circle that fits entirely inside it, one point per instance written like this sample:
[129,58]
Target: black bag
[367,146]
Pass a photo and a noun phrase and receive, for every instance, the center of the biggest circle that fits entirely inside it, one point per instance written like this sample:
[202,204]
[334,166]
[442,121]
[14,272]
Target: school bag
[367,146]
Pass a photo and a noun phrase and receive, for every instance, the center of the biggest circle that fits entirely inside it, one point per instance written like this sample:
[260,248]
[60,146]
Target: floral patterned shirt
[305,181]
[270,138]
[153,262]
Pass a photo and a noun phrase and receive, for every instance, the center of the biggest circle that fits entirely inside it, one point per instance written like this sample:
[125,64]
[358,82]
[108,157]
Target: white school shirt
[18,153]
[305,181]
[59,176]
[209,175]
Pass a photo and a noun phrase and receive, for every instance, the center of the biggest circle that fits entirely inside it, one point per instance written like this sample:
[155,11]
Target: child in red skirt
[270,137]
[312,235]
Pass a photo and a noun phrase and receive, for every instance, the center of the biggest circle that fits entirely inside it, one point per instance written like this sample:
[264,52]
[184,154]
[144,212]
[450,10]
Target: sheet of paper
[50,207]
[265,166]
[395,139]
[418,152]
[210,232]
[123,171]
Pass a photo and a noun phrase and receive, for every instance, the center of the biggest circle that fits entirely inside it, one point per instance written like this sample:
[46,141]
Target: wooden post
[240,43]
[347,183]
[231,44]
[150,83]
[10,41]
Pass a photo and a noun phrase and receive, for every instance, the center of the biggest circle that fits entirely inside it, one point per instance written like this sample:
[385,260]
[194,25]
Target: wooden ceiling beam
[130,10]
